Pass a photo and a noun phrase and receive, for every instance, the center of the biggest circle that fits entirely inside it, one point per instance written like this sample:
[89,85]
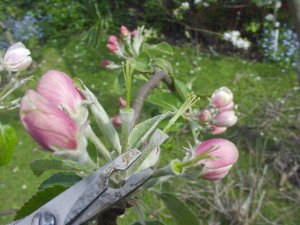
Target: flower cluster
[219,115]
[279,44]
[129,45]
[236,40]
[16,58]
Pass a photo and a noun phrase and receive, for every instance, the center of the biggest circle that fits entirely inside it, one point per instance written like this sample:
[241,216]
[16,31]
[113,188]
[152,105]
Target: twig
[145,90]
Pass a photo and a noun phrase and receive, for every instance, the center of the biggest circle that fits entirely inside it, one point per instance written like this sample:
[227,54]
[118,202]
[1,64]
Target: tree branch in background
[145,90]
[294,6]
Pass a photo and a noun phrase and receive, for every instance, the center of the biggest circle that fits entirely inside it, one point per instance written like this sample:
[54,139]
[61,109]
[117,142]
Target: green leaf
[38,200]
[62,179]
[141,131]
[142,62]
[153,222]
[182,89]
[164,65]
[39,166]
[180,211]
[161,48]
[166,100]
[8,141]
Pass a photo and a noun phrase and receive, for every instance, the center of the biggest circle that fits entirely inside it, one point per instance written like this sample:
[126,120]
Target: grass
[251,82]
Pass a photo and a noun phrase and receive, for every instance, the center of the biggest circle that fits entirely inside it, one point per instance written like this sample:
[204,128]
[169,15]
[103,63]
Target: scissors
[89,197]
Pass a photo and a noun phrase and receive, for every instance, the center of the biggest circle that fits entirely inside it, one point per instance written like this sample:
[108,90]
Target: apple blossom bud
[17,58]
[47,124]
[204,115]
[113,40]
[217,130]
[107,64]
[221,97]
[227,107]
[116,121]
[225,119]
[104,63]
[124,31]
[133,34]
[122,102]
[58,88]
[223,154]
[112,47]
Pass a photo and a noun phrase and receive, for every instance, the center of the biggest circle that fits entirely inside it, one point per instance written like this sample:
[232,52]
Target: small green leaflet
[161,48]
[142,62]
[180,212]
[63,179]
[39,199]
[182,89]
[166,100]
[8,141]
[39,166]
[141,132]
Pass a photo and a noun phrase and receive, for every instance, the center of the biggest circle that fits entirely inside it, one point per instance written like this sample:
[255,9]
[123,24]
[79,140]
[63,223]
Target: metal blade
[61,205]
[111,196]
[99,185]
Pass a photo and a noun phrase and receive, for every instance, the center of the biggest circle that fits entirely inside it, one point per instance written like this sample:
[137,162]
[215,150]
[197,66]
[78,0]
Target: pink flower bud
[122,102]
[47,124]
[112,47]
[104,63]
[116,121]
[124,31]
[217,130]
[17,58]
[227,107]
[113,40]
[221,97]
[223,155]
[204,115]
[59,89]
[133,34]
[225,119]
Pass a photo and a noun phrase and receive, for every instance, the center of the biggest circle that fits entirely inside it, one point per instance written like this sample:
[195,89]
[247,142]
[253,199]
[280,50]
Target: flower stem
[127,71]
[98,143]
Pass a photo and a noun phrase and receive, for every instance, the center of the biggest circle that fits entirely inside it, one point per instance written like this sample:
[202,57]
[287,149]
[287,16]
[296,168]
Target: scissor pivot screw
[44,218]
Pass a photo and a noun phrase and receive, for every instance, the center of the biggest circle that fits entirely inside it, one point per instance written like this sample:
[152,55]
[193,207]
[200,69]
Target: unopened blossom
[228,107]
[112,39]
[225,119]
[124,31]
[58,88]
[16,58]
[205,115]
[122,102]
[217,130]
[107,64]
[222,154]
[133,33]
[116,121]
[112,47]
[221,97]
[46,123]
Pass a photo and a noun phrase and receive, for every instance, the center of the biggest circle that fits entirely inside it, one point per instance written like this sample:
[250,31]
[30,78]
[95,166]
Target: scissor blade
[112,196]
[99,185]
